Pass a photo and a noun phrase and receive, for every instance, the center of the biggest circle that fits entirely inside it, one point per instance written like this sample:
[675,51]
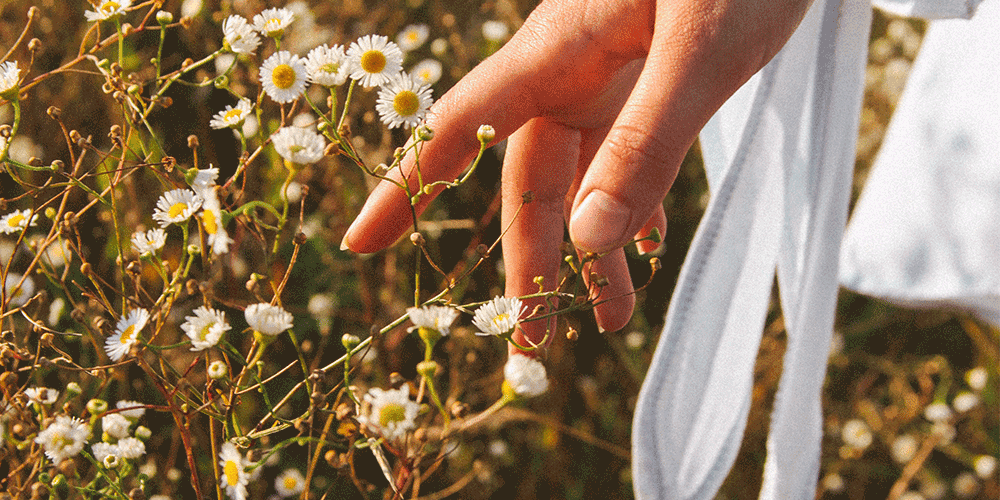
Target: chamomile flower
[283,76]
[525,376]
[217,369]
[391,413]
[131,448]
[132,410]
[150,241]
[18,295]
[116,425]
[204,179]
[438,318]
[9,80]
[103,450]
[412,37]
[234,478]
[17,221]
[126,334]
[205,328]
[403,101]
[232,117]
[239,36]
[374,59]
[176,206]
[427,72]
[272,22]
[41,395]
[328,66]
[211,220]
[499,316]
[289,483]
[108,9]
[298,145]
[63,438]
[267,319]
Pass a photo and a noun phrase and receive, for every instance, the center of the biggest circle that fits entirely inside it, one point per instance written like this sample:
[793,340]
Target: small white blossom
[211,220]
[217,369]
[10,78]
[904,448]
[499,316]
[976,378]
[150,241]
[985,465]
[412,37]
[856,434]
[126,334]
[267,319]
[175,206]
[437,318]
[17,221]
[132,410]
[272,22]
[964,401]
[131,448]
[391,413]
[103,450]
[966,485]
[232,117]
[290,482]
[298,145]
[41,395]
[328,66]
[495,31]
[64,438]
[403,101]
[19,295]
[107,9]
[525,376]
[283,76]
[116,425]
[205,328]
[239,35]
[427,72]
[374,59]
[937,412]
[234,478]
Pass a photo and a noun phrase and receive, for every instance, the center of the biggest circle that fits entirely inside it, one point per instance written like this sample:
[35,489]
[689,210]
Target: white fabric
[779,156]
[926,230]
[929,9]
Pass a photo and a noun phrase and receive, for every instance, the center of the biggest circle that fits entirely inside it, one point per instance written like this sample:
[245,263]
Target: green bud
[164,17]
[50,213]
[486,134]
[73,389]
[97,406]
[427,369]
[350,341]
[425,133]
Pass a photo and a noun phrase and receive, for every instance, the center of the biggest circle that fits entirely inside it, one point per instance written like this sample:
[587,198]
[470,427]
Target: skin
[601,100]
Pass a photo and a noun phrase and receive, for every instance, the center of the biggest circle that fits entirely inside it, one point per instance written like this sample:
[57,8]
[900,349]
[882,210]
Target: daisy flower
[176,206]
[298,144]
[17,221]
[205,328]
[239,36]
[412,37]
[267,319]
[41,395]
[63,438]
[211,220]
[126,334]
[290,483]
[391,413]
[116,425]
[131,448]
[283,76]
[217,369]
[328,66]
[18,295]
[103,450]
[272,22]
[403,101]
[375,60]
[427,72]
[498,316]
[438,318]
[150,241]
[234,477]
[856,434]
[135,409]
[231,117]
[107,9]
[525,376]
[9,80]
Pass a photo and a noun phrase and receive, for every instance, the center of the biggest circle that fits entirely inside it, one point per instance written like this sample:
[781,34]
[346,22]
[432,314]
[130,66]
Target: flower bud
[486,134]
[97,406]
[350,341]
[164,17]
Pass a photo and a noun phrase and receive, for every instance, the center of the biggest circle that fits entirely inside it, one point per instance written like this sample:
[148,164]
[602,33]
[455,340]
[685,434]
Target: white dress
[779,156]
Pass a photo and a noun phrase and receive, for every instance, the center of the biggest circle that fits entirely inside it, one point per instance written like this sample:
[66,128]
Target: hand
[601,100]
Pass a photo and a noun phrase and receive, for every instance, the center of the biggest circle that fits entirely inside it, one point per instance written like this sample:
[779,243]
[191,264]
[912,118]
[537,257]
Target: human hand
[601,100]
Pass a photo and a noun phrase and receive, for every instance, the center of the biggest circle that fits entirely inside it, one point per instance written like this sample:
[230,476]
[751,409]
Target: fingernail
[646,247]
[599,223]
[343,243]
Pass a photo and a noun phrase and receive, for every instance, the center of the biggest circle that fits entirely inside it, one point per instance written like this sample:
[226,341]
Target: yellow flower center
[392,412]
[109,8]
[283,76]
[127,334]
[290,483]
[273,27]
[406,103]
[15,220]
[412,36]
[329,68]
[177,209]
[373,61]
[203,334]
[210,222]
[500,318]
[232,472]
[231,115]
